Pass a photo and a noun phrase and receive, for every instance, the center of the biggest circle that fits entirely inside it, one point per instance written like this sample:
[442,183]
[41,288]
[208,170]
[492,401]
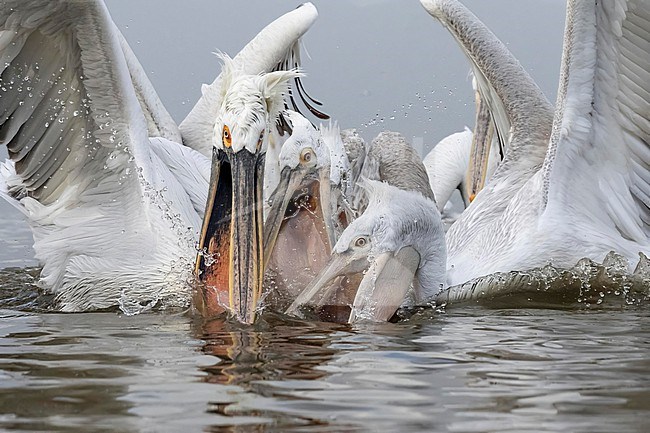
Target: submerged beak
[296,185]
[324,287]
[384,283]
[480,151]
[230,261]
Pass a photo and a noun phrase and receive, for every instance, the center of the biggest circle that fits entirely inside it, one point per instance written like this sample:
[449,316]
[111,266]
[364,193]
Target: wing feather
[599,153]
[276,46]
[109,215]
[159,121]
[521,113]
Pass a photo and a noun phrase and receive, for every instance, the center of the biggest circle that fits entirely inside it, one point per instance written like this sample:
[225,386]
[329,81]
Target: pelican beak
[326,203]
[329,282]
[230,261]
[290,181]
[480,151]
[384,283]
[299,189]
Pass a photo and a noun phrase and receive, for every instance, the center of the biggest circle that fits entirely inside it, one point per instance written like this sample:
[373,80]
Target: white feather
[115,213]
[590,195]
[276,44]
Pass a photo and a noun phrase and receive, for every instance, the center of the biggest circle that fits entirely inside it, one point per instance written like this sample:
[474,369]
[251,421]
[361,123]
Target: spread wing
[103,205]
[598,166]
[159,121]
[521,113]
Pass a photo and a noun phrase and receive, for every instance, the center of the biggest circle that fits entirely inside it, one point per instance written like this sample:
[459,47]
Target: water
[467,369]
[15,236]
[475,370]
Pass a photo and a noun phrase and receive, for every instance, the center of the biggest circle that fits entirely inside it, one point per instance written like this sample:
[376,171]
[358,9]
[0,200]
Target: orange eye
[227,139]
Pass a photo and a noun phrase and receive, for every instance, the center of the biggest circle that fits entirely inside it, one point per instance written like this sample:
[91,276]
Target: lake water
[467,369]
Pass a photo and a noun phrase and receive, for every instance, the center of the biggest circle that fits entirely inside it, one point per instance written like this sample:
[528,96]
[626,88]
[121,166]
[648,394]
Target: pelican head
[230,261]
[304,183]
[389,249]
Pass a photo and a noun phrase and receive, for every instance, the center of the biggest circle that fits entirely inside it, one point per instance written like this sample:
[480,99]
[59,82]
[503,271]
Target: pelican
[395,252]
[300,215]
[572,185]
[448,163]
[308,207]
[583,190]
[447,166]
[305,163]
[116,194]
[386,224]
[390,158]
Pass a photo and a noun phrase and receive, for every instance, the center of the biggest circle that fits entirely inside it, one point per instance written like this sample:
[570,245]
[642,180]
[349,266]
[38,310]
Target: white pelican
[447,166]
[386,224]
[114,199]
[390,158]
[304,162]
[299,229]
[448,163]
[582,190]
[308,207]
[398,243]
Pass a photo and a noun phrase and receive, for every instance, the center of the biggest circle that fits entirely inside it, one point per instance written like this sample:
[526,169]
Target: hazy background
[375,64]
[370,59]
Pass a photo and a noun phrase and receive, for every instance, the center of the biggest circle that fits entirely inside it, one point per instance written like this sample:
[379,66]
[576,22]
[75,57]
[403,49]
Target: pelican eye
[226,137]
[307,156]
[361,242]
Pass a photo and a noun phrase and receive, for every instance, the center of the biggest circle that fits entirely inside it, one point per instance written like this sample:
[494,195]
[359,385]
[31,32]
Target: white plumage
[447,165]
[115,206]
[584,191]
[567,189]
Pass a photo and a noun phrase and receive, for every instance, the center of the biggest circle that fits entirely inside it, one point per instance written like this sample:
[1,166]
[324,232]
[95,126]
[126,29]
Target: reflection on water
[562,366]
[15,236]
[472,370]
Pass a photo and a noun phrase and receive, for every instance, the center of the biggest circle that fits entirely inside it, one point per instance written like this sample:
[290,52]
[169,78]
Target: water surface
[467,369]
[473,369]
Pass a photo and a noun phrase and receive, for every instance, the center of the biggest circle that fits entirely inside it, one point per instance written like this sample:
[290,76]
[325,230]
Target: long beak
[480,151]
[324,285]
[230,260]
[292,181]
[384,284]
[327,207]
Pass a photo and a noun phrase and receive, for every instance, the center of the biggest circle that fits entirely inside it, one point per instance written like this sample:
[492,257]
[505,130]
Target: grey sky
[370,59]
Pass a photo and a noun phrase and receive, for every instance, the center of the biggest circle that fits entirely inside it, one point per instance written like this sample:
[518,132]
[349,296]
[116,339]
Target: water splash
[586,284]
[19,290]
[133,306]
